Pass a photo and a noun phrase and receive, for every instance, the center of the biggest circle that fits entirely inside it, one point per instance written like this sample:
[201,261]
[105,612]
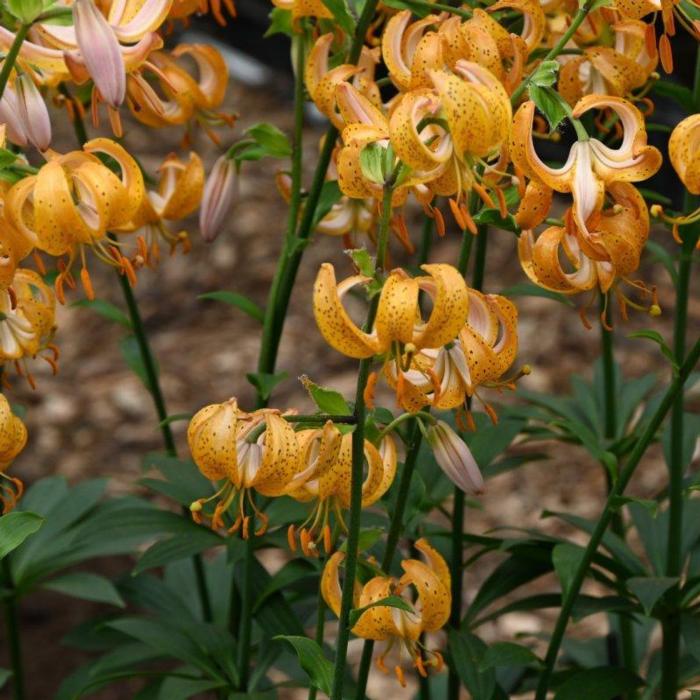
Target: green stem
[426,241]
[395,529]
[456,548]
[13,634]
[578,19]
[11,57]
[153,386]
[358,459]
[607,337]
[570,595]
[671,624]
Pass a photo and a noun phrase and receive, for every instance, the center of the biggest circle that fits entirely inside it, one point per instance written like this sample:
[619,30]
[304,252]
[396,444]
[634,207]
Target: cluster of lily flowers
[448,126]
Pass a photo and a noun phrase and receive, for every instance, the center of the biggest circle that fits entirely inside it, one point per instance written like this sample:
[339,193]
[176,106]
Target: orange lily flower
[73,201]
[591,165]
[401,629]
[13,438]
[178,195]
[182,9]
[607,70]
[255,451]
[185,97]
[398,321]
[324,476]
[480,354]
[28,322]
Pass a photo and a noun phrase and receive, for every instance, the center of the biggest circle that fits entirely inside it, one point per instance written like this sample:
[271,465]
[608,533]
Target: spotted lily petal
[280,457]
[434,597]
[211,436]
[684,152]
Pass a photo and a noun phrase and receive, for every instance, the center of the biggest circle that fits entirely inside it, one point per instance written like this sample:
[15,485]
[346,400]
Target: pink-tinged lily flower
[219,196]
[455,458]
[24,111]
[591,165]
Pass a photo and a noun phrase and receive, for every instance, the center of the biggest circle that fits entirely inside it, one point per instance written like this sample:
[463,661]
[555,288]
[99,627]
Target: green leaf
[392,601]
[341,13]
[5,675]
[197,540]
[265,383]
[421,9]
[280,23]
[330,194]
[467,653]
[508,654]
[131,353]
[327,400]
[680,93]
[364,262]
[62,16]
[660,254]
[26,11]
[528,289]
[601,683]
[650,589]
[372,163]
[272,141]
[239,301]
[105,309]
[312,660]
[546,74]
[549,103]
[565,559]
[86,586]
[595,5]
[368,537]
[15,527]
[7,157]
[657,338]
[493,217]
[184,688]
[292,572]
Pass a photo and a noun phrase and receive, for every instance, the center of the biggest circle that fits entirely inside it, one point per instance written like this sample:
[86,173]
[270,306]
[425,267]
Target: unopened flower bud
[455,458]
[219,196]
[100,51]
[33,113]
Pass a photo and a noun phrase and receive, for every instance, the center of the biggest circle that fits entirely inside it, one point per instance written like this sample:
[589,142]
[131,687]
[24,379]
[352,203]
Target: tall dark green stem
[607,338]
[571,594]
[13,634]
[358,458]
[153,386]
[456,545]
[671,624]
[11,57]
[318,636]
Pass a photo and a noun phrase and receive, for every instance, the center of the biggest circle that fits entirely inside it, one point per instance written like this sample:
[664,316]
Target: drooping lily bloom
[562,260]
[102,47]
[23,110]
[13,438]
[455,458]
[325,475]
[479,356]
[178,195]
[591,165]
[398,322]
[182,9]
[605,70]
[484,41]
[477,115]
[28,322]
[184,97]
[255,451]
[73,201]
[219,197]
[400,629]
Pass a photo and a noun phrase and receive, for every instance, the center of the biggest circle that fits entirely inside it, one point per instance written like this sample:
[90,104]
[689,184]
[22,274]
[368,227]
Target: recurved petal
[183,188]
[381,470]
[211,436]
[213,71]
[534,20]
[336,326]
[396,314]
[448,291]
[435,561]
[434,596]
[280,457]
[684,152]
[535,205]
[330,582]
